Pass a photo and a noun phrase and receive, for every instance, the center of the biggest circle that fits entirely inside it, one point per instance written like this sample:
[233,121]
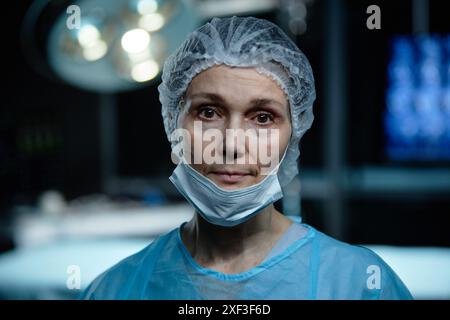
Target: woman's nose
[234,140]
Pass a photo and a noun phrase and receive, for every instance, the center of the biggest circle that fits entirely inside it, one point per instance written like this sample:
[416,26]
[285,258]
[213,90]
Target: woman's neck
[234,249]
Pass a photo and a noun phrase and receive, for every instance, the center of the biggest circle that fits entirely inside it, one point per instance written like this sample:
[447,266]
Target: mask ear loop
[277,167]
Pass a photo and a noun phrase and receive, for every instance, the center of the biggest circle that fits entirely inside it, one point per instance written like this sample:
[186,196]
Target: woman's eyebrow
[254,103]
[207,95]
[260,102]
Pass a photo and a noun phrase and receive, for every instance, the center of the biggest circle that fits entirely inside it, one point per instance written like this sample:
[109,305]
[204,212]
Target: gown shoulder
[115,283]
[356,272]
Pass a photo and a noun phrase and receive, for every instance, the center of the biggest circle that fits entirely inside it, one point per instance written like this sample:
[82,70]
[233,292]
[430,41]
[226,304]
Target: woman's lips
[229,177]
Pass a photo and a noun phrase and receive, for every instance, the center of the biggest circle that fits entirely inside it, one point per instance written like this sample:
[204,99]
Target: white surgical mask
[221,206]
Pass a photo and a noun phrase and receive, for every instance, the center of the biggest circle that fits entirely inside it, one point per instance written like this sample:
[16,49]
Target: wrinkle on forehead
[235,83]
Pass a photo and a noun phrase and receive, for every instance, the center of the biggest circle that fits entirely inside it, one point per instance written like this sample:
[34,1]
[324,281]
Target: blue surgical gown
[314,266]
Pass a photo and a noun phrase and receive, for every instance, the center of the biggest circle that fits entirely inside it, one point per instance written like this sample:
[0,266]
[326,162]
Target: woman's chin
[232,182]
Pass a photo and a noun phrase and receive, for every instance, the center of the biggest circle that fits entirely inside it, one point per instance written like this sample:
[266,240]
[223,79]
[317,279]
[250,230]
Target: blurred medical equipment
[88,234]
[110,46]
[417,117]
[92,218]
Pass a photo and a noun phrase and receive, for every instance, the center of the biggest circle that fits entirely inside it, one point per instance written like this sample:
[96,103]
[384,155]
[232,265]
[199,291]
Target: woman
[229,75]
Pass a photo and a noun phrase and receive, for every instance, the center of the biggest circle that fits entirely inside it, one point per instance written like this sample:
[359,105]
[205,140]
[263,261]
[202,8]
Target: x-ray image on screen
[417,117]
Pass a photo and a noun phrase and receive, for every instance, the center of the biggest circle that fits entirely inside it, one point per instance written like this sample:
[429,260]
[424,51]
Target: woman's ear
[182,102]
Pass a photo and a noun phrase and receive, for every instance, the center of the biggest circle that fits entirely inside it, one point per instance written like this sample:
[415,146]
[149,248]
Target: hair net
[243,42]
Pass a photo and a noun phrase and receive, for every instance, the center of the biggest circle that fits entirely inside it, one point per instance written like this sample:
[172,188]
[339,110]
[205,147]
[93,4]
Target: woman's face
[233,101]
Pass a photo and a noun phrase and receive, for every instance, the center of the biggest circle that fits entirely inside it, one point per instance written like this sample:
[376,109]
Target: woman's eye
[207,113]
[264,118]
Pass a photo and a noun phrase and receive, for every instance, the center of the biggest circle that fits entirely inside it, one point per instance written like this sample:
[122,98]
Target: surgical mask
[224,207]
